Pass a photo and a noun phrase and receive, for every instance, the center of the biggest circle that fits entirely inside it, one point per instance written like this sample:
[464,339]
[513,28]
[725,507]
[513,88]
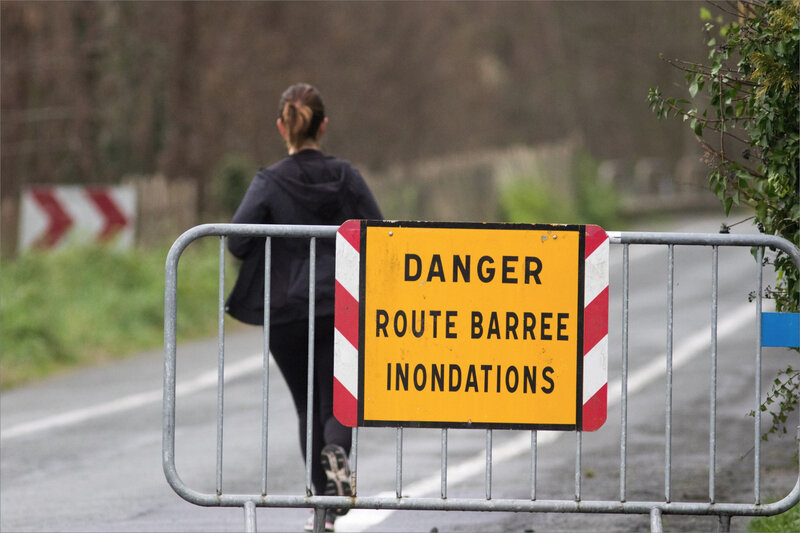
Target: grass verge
[85,305]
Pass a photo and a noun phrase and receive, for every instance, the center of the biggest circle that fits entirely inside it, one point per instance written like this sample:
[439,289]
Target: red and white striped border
[595,320]
[595,329]
[345,340]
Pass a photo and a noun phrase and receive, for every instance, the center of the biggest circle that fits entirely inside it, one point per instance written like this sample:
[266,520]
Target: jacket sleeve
[254,209]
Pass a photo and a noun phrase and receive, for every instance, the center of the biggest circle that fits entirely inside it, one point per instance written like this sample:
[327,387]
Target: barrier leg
[655,521]
[250,517]
[724,524]
[319,520]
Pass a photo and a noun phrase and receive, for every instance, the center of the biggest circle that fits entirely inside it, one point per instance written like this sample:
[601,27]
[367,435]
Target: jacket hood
[314,180]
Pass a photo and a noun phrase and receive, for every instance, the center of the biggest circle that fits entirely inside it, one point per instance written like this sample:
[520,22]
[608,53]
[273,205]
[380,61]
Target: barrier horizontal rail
[654,508]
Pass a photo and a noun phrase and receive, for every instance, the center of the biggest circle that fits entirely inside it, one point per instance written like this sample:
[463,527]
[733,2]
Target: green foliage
[230,181]
[84,305]
[598,203]
[788,521]
[401,200]
[743,107]
[783,394]
[527,199]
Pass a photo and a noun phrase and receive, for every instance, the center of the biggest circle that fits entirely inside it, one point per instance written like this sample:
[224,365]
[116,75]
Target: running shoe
[337,470]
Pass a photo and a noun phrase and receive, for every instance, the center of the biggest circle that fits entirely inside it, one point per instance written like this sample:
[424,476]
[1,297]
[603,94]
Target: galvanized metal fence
[655,509]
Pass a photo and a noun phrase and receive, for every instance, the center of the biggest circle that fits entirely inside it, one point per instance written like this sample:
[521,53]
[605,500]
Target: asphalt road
[82,451]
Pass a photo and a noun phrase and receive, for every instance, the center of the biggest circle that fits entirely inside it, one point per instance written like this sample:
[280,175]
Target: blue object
[780,329]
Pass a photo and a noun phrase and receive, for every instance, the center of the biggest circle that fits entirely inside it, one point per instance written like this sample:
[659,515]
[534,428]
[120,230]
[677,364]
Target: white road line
[361,520]
[203,381]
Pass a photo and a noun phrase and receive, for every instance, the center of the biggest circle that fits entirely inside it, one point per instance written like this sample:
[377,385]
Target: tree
[743,108]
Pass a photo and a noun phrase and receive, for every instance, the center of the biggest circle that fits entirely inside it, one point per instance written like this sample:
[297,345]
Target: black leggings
[289,346]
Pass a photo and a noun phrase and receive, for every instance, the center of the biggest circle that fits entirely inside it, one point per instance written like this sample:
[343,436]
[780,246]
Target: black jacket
[305,188]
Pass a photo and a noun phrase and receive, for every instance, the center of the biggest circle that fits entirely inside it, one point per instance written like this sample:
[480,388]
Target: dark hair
[301,110]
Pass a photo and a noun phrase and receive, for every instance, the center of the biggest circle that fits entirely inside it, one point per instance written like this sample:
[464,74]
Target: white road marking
[203,381]
[359,520]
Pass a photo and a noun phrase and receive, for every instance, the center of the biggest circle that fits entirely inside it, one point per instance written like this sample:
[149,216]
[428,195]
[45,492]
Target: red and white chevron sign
[55,216]
[502,346]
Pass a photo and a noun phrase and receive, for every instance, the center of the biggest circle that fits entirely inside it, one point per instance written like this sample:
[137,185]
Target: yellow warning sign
[471,325]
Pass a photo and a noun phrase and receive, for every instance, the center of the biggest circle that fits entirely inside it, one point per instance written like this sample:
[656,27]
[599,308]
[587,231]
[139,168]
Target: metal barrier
[654,509]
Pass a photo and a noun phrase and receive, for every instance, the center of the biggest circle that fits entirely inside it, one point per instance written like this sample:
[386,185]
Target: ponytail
[301,110]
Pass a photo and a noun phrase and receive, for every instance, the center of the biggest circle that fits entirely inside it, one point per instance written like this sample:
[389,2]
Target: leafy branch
[783,395]
[750,84]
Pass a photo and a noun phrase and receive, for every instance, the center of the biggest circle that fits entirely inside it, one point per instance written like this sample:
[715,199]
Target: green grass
[784,522]
[61,310]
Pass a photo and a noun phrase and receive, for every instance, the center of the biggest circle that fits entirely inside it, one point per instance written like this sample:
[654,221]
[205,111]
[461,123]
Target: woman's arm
[254,209]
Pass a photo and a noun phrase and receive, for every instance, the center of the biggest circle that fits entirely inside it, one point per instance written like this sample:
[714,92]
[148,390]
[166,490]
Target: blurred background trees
[93,92]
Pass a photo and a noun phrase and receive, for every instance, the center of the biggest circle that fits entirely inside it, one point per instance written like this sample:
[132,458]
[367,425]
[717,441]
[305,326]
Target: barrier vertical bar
[757,409]
[265,379]
[712,444]
[488,481]
[623,446]
[398,475]
[534,450]
[220,360]
[354,462]
[312,277]
[668,395]
[444,463]
[578,451]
